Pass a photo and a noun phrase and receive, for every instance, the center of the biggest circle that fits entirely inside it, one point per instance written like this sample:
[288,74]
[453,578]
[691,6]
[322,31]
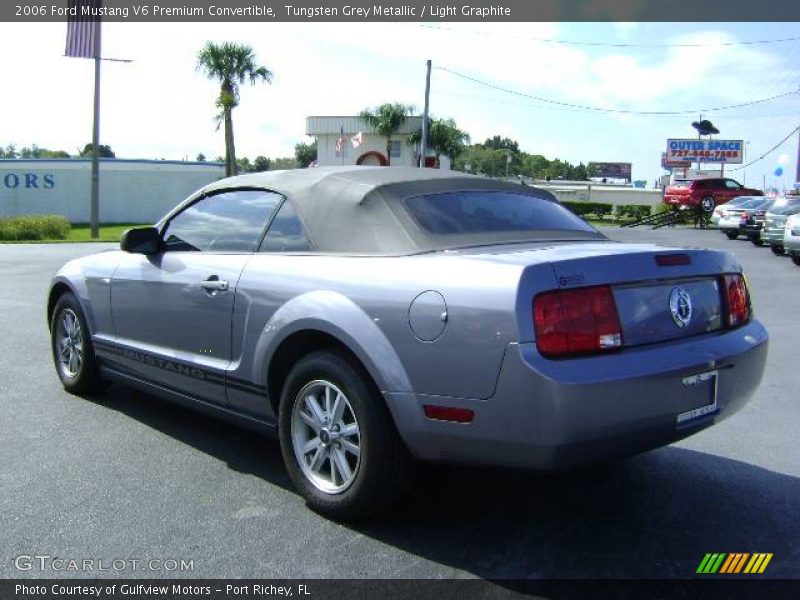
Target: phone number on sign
[704,154]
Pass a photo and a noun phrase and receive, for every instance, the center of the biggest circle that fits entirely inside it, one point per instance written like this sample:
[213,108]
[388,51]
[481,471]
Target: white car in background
[720,210]
[791,238]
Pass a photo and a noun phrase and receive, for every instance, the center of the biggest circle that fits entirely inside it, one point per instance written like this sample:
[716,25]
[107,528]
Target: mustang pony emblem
[680,305]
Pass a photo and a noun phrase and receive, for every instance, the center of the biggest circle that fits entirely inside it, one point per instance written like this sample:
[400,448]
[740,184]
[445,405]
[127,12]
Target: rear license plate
[704,384]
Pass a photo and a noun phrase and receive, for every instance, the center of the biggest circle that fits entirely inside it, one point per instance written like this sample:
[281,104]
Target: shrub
[582,209]
[34,227]
[633,212]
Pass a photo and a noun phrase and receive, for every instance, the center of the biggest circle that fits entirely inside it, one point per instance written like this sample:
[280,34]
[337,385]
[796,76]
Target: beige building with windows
[367,149]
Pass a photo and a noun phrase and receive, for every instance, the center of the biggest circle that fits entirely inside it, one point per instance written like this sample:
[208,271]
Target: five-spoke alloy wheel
[340,445]
[73,352]
[325,436]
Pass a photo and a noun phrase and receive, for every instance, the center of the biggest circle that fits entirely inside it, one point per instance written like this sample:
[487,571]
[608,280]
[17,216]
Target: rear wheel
[338,440]
[73,353]
[707,204]
[796,259]
[756,241]
[776,249]
[732,235]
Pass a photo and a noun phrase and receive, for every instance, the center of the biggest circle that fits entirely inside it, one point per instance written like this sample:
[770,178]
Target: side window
[732,184]
[226,222]
[286,233]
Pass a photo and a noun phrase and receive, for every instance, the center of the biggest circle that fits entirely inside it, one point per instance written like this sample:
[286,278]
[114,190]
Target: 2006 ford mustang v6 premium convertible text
[375,317]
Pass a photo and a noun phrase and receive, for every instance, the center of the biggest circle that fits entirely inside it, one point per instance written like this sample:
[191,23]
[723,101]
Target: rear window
[785,207]
[485,212]
[755,202]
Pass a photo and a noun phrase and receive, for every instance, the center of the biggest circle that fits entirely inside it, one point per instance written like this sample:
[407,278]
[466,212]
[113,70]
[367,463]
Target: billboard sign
[611,170]
[668,163]
[706,151]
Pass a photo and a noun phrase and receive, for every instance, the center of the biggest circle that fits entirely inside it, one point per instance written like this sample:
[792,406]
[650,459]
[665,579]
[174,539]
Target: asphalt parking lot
[133,477]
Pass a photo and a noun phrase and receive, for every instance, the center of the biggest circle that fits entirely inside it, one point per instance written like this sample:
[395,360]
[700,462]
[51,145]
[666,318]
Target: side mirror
[142,240]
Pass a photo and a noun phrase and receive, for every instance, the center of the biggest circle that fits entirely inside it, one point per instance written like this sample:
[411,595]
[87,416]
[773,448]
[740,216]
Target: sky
[159,106]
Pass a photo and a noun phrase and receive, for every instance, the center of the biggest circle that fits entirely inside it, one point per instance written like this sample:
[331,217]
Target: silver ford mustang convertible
[376,317]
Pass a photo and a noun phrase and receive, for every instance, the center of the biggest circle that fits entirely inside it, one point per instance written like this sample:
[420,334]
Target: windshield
[785,206]
[484,212]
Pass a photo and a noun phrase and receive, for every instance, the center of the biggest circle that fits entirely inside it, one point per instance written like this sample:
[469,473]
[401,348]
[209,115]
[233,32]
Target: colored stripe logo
[734,563]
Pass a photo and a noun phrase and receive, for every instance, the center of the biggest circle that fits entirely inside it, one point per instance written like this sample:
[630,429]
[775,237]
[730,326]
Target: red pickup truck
[705,193]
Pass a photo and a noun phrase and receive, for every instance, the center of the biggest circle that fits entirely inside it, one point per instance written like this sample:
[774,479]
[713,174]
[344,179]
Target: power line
[770,151]
[585,107]
[612,44]
[523,103]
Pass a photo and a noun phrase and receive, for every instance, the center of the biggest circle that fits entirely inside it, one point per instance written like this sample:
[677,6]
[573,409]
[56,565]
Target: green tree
[103,151]
[231,64]
[201,157]
[261,163]
[280,164]
[305,154]
[444,137]
[498,143]
[386,119]
[9,151]
[243,165]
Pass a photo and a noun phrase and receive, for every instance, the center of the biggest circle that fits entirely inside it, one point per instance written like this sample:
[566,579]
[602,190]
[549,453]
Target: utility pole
[95,201]
[423,147]
[797,172]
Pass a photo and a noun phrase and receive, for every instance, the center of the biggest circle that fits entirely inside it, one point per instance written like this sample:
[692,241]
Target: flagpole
[95,200]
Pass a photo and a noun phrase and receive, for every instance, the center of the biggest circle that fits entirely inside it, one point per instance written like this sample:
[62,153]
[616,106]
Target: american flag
[83,30]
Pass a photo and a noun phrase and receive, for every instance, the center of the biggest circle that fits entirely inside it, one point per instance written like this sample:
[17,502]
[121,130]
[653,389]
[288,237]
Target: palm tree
[231,64]
[386,119]
[444,137]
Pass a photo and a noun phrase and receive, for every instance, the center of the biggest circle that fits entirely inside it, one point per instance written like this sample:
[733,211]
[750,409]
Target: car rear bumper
[773,236]
[752,230]
[548,414]
[680,200]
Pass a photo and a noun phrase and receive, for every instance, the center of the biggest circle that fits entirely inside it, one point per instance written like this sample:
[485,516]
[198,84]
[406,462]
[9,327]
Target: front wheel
[756,241]
[73,353]
[732,235]
[796,259]
[777,249]
[340,445]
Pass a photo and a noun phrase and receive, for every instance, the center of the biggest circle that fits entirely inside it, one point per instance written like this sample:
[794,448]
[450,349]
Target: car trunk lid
[642,277]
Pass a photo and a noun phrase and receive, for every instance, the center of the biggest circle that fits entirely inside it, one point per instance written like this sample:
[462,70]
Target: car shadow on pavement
[650,516]
[243,450]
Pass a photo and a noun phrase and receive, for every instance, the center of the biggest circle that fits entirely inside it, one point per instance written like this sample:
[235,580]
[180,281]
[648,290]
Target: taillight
[737,299]
[579,321]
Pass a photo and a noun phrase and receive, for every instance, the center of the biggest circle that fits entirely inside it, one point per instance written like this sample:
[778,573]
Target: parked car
[375,317]
[775,221]
[705,194]
[745,219]
[715,216]
[791,238]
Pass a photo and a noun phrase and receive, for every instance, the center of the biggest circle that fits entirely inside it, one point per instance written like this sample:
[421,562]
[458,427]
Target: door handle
[215,284]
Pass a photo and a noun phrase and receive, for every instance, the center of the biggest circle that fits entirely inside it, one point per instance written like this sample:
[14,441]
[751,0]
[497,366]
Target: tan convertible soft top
[359,210]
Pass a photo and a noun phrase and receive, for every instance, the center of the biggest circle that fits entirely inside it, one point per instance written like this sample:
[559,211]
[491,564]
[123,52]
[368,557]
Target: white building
[372,147]
[131,191]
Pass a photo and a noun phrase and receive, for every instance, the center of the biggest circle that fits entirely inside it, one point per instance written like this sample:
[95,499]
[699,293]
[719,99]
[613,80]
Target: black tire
[384,472]
[777,249]
[732,235]
[756,241]
[796,259]
[85,378]
[707,205]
